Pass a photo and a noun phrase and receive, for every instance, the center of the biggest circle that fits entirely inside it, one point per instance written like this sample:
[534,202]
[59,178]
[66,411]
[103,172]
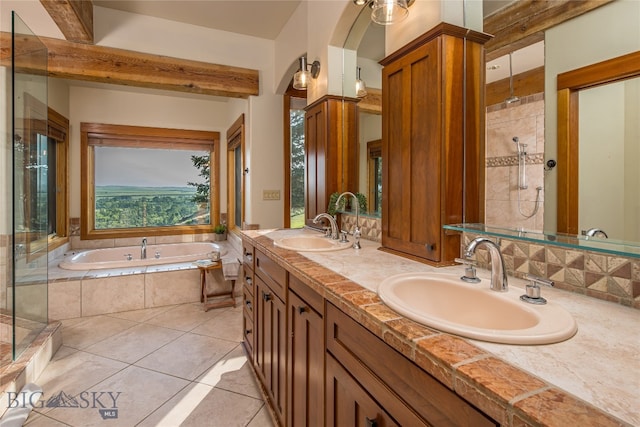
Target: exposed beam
[372,103]
[527,83]
[73,17]
[124,67]
[523,22]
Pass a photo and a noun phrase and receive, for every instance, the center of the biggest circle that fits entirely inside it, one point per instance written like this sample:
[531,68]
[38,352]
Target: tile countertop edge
[510,395]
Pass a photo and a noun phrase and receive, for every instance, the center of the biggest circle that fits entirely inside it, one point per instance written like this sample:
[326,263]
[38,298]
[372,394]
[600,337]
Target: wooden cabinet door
[306,364]
[348,404]
[411,153]
[271,344]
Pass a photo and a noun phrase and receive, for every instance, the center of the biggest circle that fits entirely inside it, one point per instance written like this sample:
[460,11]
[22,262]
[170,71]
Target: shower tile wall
[524,120]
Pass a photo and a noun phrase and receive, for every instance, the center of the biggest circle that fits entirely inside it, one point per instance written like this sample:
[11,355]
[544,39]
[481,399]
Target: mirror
[364,46]
[582,42]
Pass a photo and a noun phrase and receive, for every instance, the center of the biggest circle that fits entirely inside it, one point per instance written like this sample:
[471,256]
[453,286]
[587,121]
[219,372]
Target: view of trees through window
[297,168]
[142,187]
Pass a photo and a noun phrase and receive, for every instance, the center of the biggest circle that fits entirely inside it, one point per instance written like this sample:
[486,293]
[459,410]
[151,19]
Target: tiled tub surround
[92,292]
[608,277]
[524,120]
[589,380]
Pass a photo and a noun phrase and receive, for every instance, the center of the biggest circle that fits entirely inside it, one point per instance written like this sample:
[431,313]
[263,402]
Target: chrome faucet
[356,231]
[143,249]
[595,232]
[498,271]
[332,222]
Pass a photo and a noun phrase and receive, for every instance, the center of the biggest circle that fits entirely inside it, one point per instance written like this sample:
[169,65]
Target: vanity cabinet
[331,152]
[270,359]
[369,383]
[247,298]
[432,142]
[305,390]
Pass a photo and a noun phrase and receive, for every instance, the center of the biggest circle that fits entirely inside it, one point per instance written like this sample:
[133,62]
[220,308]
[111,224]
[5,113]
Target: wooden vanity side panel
[410,395]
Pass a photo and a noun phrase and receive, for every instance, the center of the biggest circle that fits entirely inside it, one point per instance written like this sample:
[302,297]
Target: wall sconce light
[387,12]
[361,88]
[303,75]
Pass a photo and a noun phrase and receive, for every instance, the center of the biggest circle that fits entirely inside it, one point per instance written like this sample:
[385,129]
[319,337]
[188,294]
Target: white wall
[607,32]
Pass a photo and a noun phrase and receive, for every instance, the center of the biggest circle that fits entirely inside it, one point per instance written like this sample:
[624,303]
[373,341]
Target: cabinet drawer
[307,294]
[419,396]
[248,254]
[247,333]
[247,300]
[247,278]
[271,273]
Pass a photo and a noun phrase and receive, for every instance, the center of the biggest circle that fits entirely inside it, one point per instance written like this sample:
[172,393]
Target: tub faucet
[356,231]
[498,271]
[143,249]
[332,222]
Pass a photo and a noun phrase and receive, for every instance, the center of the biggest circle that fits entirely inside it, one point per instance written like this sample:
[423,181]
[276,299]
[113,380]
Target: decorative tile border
[530,159]
[607,277]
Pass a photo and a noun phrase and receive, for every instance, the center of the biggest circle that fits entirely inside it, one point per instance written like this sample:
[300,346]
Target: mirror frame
[569,85]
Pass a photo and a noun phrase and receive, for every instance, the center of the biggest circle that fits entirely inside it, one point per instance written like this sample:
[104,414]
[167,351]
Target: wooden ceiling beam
[372,102]
[523,22]
[73,17]
[102,64]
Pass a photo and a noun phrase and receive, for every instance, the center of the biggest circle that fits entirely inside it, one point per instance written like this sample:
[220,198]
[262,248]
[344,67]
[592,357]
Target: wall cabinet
[331,152]
[432,142]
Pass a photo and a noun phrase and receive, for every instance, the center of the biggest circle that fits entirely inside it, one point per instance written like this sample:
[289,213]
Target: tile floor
[173,366]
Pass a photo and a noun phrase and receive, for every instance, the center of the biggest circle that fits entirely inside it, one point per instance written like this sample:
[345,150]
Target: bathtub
[129,256]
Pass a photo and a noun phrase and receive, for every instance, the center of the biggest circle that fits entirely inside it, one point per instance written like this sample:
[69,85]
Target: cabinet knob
[430,246]
[248,303]
[301,309]
[371,422]
[266,296]
[248,280]
[247,331]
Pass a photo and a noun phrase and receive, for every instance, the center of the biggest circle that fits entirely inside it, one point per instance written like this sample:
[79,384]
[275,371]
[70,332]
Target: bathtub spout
[143,249]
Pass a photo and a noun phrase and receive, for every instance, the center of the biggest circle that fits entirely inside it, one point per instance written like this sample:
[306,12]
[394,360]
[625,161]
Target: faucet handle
[343,236]
[469,270]
[532,295]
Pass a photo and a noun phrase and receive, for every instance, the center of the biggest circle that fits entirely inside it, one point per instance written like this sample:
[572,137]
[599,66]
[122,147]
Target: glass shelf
[596,244]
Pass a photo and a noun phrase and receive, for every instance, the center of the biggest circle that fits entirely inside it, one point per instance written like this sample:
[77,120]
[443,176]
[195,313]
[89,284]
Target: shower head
[515,139]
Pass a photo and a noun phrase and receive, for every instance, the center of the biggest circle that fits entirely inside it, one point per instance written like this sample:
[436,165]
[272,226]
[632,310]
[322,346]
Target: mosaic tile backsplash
[608,277]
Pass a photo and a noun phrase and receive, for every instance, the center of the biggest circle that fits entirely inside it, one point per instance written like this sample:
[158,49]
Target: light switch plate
[270,194]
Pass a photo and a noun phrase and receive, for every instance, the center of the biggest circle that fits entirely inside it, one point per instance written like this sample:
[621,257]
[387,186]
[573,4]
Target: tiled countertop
[592,379]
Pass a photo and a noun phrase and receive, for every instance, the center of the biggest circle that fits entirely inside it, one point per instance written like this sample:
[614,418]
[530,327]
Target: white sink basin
[305,243]
[446,303]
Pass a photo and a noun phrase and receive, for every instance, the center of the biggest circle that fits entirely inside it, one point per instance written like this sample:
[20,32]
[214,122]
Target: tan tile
[141,392]
[183,317]
[262,419]
[227,325]
[172,287]
[93,330]
[187,357]
[64,300]
[134,343]
[141,315]
[112,294]
[233,373]
[68,371]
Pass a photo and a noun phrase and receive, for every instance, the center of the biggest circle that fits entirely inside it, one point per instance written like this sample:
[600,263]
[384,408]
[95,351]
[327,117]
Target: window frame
[146,137]
[58,130]
[235,139]
[286,119]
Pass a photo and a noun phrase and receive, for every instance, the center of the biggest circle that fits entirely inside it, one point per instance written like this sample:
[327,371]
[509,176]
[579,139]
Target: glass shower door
[27,293]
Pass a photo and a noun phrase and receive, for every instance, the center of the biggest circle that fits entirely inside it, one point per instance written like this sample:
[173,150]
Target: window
[374,167]
[294,158]
[140,181]
[235,174]
[58,194]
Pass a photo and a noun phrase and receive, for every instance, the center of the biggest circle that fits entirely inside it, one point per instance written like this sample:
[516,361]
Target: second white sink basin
[474,311]
[307,243]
